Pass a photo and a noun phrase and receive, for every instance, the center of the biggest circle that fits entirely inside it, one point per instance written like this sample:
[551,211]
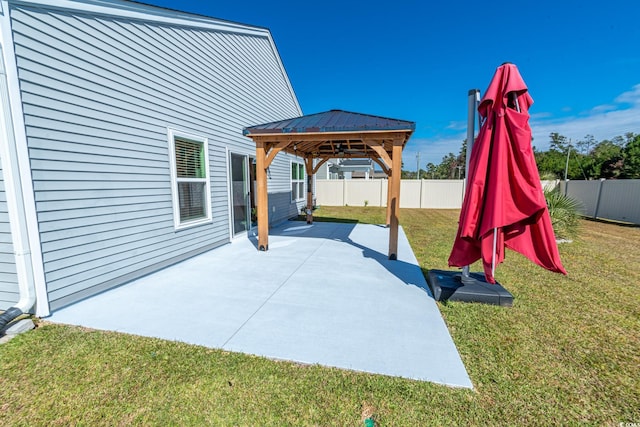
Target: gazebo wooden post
[310,173]
[388,200]
[263,197]
[396,160]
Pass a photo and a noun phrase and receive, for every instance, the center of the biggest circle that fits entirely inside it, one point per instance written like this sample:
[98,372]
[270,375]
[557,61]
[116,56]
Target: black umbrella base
[449,286]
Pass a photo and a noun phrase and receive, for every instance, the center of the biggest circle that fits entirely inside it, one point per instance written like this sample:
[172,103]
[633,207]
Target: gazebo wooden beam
[382,165]
[274,151]
[324,160]
[380,151]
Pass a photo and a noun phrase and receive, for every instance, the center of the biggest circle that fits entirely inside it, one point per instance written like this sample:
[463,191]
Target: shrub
[563,211]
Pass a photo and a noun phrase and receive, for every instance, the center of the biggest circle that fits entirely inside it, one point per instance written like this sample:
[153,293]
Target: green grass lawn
[567,352]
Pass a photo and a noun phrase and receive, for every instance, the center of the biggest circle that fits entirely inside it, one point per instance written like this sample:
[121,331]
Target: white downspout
[18,184]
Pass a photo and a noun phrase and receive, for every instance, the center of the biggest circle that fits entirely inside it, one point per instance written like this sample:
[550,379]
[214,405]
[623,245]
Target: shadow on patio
[403,270]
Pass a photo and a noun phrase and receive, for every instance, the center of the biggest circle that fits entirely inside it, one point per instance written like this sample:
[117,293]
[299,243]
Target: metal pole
[472,105]
[493,254]
[595,213]
[418,165]
[474,100]
[566,167]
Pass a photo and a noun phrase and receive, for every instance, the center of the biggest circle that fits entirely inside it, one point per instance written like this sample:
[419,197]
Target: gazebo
[323,136]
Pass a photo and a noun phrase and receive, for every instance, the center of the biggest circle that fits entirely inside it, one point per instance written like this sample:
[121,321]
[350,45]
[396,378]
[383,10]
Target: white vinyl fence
[611,199]
[615,199]
[425,193]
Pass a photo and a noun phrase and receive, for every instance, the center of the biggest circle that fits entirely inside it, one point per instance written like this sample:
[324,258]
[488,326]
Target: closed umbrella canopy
[504,204]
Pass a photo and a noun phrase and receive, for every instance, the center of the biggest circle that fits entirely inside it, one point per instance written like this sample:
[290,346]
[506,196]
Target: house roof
[331,121]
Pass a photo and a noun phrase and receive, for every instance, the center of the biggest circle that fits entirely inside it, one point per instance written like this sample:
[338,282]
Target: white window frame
[172,135]
[298,181]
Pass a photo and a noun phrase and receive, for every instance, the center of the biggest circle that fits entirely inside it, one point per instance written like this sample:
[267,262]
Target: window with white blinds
[297,181]
[190,180]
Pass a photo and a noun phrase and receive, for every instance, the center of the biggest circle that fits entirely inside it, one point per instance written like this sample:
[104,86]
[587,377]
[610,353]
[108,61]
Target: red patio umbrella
[504,204]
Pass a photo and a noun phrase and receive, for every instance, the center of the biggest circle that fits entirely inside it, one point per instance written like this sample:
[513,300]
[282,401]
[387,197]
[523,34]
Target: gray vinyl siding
[99,93]
[9,291]
[284,207]
[279,185]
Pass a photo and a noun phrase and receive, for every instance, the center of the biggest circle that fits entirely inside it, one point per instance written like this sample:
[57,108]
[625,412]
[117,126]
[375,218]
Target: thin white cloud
[457,125]
[603,108]
[540,116]
[630,97]
[603,122]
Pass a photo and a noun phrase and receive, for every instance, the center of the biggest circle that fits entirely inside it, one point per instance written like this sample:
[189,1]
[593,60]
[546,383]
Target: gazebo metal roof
[332,121]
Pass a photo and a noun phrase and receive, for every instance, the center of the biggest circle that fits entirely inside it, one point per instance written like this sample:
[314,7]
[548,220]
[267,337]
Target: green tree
[551,162]
[585,145]
[404,174]
[606,160]
[554,161]
[407,175]
[462,159]
[431,171]
[618,157]
[631,157]
[559,142]
[447,168]
[451,166]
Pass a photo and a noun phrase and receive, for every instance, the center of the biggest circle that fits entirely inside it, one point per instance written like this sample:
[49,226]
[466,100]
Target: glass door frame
[245,192]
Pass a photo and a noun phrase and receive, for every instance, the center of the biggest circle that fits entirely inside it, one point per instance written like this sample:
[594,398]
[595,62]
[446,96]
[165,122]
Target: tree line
[588,158]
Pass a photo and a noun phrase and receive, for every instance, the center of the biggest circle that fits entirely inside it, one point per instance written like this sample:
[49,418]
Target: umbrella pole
[493,254]
[472,104]
[515,100]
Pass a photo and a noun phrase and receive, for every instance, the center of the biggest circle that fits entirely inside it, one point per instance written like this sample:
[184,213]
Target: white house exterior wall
[99,91]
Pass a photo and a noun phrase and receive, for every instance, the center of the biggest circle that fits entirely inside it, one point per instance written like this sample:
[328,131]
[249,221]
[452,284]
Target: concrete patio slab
[324,293]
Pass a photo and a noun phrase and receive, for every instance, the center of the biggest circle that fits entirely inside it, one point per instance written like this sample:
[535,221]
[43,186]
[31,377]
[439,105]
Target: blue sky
[416,60]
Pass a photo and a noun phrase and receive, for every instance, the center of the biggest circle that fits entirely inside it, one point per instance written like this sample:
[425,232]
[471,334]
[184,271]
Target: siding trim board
[98,88]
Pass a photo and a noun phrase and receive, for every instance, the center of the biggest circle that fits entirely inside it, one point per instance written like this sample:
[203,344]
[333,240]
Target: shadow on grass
[611,221]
